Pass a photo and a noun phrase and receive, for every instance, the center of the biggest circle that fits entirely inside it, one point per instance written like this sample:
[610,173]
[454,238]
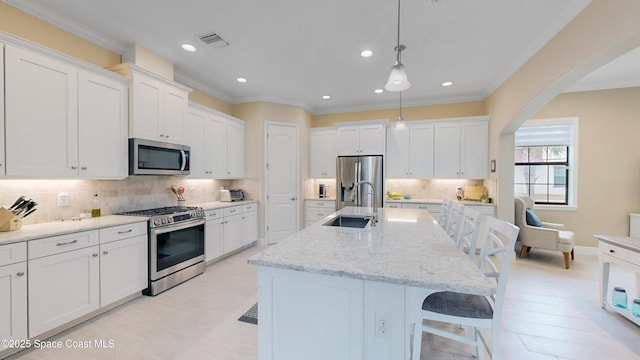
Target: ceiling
[295,51]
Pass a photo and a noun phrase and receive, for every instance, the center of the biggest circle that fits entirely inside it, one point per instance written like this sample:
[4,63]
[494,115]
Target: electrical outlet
[63,199]
[383,325]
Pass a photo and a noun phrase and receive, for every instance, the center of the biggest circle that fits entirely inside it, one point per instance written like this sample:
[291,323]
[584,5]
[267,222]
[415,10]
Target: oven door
[175,247]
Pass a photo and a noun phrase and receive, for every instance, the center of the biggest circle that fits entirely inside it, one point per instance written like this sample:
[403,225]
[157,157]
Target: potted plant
[485,198]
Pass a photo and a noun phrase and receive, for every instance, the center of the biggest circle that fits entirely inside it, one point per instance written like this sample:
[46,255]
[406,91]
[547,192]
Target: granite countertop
[222,204]
[437,201]
[53,228]
[626,242]
[406,247]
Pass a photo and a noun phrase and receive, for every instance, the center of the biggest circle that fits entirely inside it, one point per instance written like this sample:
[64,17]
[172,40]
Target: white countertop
[627,242]
[406,247]
[53,228]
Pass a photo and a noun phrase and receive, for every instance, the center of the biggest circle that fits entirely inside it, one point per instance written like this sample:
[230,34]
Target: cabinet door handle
[66,243]
[95,255]
[611,251]
[125,232]
[74,168]
[21,273]
[83,168]
[105,252]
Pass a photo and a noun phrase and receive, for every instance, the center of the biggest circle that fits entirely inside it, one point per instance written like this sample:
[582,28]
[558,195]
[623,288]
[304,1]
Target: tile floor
[551,313]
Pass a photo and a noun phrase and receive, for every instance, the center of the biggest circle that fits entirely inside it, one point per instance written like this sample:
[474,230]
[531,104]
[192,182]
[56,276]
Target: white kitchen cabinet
[2,157]
[123,262]
[214,233]
[217,144]
[366,139]
[103,113]
[232,229]
[249,223]
[41,115]
[317,209]
[322,152]
[64,280]
[63,121]
[13,291]
[410,151]
[159,106]
[461,149]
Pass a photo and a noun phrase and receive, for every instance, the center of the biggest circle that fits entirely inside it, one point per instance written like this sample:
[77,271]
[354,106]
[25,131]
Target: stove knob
[164,220]
[156,222]
[170,220]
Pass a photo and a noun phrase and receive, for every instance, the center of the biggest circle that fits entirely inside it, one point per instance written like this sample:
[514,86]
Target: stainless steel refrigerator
[352,169]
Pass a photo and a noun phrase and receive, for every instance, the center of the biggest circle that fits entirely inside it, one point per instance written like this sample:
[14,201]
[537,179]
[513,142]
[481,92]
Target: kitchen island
[346,293]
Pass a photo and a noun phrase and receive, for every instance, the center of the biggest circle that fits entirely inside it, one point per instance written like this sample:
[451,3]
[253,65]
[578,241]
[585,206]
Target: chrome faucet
[373,196]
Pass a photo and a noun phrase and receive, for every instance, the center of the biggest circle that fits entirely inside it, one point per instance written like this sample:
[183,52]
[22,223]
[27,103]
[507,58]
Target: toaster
[231,195]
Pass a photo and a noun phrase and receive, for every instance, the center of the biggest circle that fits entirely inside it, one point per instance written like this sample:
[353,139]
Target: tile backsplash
[114,196]
[429,188]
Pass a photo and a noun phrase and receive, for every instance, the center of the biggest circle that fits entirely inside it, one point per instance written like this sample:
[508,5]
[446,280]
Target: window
[545,161]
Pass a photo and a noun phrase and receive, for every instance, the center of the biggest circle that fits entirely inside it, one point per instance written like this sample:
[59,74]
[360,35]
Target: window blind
[560,134]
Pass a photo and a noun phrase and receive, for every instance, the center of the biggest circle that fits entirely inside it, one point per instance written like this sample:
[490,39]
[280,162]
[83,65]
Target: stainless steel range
[176,245]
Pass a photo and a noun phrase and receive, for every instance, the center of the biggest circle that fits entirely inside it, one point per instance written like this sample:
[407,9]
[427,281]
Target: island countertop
[406,247]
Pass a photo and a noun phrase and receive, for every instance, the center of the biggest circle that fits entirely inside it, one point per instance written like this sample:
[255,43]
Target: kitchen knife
[29,212]
[20,199]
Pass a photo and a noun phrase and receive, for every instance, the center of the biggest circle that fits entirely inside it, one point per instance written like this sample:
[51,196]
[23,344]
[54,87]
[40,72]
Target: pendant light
[400,124]
[398,80]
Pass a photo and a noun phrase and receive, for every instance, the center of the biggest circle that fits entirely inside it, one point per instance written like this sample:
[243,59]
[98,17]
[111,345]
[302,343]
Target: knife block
[8,221]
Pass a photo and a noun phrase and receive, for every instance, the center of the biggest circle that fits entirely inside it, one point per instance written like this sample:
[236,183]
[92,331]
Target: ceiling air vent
[213,39]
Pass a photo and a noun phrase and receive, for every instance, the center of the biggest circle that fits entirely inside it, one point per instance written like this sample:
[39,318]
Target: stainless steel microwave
[147,157]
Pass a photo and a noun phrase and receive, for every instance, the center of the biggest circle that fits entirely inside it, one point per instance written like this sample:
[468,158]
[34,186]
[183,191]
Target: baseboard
[585,250]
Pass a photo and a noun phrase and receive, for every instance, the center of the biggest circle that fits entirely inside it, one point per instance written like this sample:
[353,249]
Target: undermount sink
[348,221]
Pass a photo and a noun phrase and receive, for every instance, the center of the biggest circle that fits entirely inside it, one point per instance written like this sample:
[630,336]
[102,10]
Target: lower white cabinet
[13,291]
[249,223]
[123,262]
[75,274]
[228,229]
[64,286]
[232,229]
[317,209]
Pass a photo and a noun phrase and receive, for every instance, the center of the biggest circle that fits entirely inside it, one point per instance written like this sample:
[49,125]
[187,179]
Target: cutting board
[473,192]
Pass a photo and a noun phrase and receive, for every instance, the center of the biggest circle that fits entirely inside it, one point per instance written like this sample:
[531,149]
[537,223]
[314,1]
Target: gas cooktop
[169,215]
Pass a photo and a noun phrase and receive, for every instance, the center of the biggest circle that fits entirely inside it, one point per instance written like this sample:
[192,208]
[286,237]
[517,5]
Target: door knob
[293,198]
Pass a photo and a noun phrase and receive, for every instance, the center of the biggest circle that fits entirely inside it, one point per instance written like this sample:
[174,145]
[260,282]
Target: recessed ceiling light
[241,80]
[366,53]
[447,83]
[378,91]
[326,97]
[189,47]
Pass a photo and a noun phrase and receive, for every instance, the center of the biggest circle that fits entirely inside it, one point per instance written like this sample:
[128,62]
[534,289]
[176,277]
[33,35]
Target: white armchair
[550,236]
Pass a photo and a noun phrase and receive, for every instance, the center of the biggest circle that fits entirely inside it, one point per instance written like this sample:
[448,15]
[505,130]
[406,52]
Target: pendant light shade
[398,80]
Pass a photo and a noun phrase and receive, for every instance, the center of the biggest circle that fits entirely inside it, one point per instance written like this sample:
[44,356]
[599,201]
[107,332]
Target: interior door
[282,181]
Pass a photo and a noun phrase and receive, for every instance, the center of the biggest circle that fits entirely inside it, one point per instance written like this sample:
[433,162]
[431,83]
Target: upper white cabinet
[63,121]
[366,139]
[159,106]
[462,149]
[322,152]
[102,127]
[410,151]
[217,144]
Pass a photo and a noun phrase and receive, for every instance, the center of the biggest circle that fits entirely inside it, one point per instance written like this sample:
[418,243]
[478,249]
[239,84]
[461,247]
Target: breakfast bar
[338,292]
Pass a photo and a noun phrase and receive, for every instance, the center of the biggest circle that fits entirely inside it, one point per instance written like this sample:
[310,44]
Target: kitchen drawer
[393,205]
[329,204]
[432,208]
[634,258]
[59,244]
[214,214]
[122,232]
[13,253]
[613,250]
[249,207]
[234,210]
[314,214]
[484,209]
